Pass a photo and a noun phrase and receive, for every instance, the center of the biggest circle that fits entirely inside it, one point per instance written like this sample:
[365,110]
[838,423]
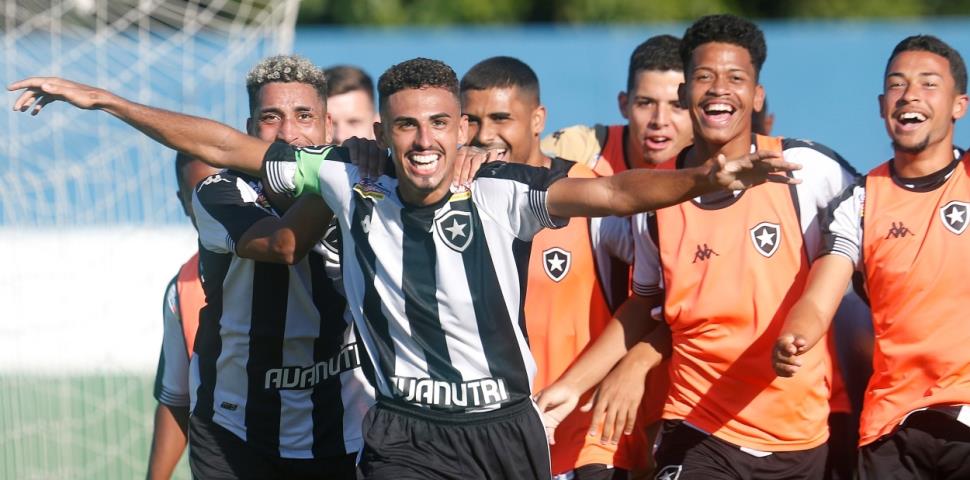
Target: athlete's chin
[909,145]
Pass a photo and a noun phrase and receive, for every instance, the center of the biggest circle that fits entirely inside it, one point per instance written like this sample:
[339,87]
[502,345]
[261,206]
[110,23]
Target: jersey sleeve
[841,224]
[321,170]
[172,375]
[578,143]
[614,237]
[225,206]
[515,194]
[824,175]
[647,279]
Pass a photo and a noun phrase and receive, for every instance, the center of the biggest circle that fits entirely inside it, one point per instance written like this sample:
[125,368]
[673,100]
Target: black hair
[181,160]
[348,78]
[929,43]
[502,72]
[659,53]
[416,73]
[725,29]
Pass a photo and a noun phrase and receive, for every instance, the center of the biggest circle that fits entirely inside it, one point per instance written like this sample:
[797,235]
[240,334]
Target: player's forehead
[721,56]
[420,103]
[657,82]
[288,94]
[919,62]
[493,98]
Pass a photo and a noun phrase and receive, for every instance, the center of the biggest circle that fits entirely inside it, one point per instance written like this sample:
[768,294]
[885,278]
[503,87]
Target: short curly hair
[285,68]
[931,44]
[725,29]
[416,73]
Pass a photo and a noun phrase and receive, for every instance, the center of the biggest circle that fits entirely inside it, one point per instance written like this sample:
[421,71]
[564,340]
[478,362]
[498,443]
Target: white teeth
[718,107]
[919,117]
[424,159]
[659,139]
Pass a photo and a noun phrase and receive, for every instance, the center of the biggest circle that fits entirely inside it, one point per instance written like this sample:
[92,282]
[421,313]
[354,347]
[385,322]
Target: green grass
[95,426]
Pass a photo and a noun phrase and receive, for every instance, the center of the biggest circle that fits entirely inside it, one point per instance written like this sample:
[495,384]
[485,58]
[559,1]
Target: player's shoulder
[171,299]
[536,177]
[230,187]
[814,155]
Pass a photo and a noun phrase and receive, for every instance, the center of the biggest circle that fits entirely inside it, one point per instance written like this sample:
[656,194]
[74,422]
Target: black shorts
[685,453]
[404,443]
[929,444]
[216,453]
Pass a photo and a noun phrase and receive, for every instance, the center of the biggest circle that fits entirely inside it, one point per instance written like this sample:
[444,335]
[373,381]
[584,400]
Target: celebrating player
[729,266]
[432,279]
[903,227]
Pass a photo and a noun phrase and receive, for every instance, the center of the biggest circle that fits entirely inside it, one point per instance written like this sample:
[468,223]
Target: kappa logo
[670,472]
[766,237]
[331,238]
[900,230]
[704,253]
[455,229]
[371,189]
[556,263]
[212,179]
[954,216]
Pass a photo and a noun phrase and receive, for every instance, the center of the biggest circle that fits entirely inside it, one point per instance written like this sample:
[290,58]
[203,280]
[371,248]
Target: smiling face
[291,112]
[722,92]
[422,127]
[920,102]
[659,127]
[506,120]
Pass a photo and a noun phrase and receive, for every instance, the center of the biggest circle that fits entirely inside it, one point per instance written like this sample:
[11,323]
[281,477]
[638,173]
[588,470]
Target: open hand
[555,403]
[371,160]
[616,403]
[752,169]
[40,91]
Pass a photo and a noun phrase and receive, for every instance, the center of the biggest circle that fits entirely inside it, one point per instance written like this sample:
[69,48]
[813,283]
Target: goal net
[90,228]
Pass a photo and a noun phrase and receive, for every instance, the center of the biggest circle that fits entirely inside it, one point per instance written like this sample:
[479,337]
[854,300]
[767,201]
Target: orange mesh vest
[915,251]
[191,299]
[564,310]
[731,275]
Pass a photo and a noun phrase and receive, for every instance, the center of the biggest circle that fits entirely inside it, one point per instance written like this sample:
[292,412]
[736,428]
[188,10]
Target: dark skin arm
[289,238]
[168,440]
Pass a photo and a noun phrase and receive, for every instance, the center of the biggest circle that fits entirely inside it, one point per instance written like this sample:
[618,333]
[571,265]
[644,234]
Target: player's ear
[379,136]
[882,105]
[251,126]
[463,130]
[759,98]
[959,106]
[621,99]
[328,128]
[682,95]
[538,120]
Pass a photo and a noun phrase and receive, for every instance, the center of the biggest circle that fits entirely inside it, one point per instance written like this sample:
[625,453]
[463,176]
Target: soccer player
[279,388]
[434,280]
[180,313]
[903,226]
[350,103]
[564,304]
[730,266]
[657,128]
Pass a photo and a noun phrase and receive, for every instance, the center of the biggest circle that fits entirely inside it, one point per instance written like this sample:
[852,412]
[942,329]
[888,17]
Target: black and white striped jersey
[276,363]
[436,290]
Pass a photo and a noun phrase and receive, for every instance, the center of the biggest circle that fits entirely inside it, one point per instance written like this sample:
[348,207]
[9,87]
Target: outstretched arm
[641,190]
[810,317]
[212,142]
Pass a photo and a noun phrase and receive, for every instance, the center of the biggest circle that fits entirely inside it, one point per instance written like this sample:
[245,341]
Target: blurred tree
[443,12]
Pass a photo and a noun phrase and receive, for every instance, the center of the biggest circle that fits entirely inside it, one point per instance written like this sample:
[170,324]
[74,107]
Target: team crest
[556,263]
[670,472]
[766,238]
[455,229]
[371,189]
[331,238]
[954,216]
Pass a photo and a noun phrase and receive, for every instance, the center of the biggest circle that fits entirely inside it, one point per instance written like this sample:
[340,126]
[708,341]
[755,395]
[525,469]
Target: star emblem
[670,472]
[954,216]
[765,236]
[556,262]
[456,229]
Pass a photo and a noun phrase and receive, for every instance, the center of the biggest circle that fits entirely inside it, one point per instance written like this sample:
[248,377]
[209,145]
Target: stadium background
[90,230]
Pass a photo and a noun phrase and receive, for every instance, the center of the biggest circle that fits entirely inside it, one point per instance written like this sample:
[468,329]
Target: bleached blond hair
[285,68]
